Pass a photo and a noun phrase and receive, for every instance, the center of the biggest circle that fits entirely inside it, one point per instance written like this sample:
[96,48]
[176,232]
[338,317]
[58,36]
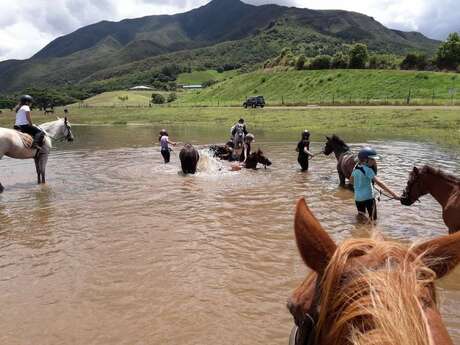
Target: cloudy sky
[27,26]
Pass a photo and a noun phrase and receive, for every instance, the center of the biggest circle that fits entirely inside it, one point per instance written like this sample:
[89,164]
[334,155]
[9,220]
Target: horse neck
[439,187]
[340,151]
[52,128]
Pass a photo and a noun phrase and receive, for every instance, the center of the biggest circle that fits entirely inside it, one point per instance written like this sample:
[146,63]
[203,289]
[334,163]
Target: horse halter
[405,197]
[305,332]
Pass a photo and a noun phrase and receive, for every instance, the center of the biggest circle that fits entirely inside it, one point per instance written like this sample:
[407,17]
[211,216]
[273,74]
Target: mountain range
[221,32]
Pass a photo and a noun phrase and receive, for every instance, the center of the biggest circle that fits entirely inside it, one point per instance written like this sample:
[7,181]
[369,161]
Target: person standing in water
[164,145]
[363,178]
[303,148]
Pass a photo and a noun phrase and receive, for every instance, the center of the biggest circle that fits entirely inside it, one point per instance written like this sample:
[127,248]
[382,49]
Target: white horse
[15,144]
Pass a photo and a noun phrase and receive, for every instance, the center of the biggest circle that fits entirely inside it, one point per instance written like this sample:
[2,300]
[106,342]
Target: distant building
[141,88]
[192,86]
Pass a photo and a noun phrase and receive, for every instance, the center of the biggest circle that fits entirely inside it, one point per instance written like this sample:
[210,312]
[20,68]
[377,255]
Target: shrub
[321,62]
[383,61]
[358,56]
[299,64]
[414,61]
[208,83]
[157,98]
[172,97]
[340,60]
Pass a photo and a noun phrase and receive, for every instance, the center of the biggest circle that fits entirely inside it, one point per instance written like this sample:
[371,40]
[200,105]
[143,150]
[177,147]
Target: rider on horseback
[239,125]
[24,121]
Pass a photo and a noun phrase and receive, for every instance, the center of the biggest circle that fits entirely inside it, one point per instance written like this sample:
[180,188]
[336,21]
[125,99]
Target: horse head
[335,144]
[59,129]
[368,289]
[238,137]
[414,188]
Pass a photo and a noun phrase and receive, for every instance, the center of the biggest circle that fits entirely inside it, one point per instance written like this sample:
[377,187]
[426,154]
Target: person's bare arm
[386,188]
[308,152]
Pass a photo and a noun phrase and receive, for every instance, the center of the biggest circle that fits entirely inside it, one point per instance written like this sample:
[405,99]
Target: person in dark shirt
[303,148]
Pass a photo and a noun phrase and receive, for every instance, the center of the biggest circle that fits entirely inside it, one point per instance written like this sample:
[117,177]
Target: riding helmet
[368,153]
[241,120]
[26,99]
[249,136]
[306,134]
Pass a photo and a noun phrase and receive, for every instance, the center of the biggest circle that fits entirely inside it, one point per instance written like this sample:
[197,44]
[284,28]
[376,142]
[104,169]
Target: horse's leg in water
[341,178]
[37,169]
[43,162]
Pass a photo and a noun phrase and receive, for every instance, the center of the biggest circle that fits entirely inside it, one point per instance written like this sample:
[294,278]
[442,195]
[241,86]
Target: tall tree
[358,56]
[448,55]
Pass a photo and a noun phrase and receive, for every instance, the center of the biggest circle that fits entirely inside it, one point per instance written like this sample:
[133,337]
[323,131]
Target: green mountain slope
[223,31]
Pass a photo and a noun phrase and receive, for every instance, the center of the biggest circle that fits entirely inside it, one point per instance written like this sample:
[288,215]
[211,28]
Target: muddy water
[119,248]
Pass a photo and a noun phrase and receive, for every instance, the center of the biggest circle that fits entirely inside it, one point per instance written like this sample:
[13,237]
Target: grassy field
[439,126]
[332,87]
[113,99]
[199,77]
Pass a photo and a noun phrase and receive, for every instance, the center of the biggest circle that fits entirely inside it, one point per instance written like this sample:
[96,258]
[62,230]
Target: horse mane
[435,171]
[375,305]
[339,141]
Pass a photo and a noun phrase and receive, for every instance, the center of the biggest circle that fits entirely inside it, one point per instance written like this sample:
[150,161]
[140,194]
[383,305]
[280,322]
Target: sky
[26,26]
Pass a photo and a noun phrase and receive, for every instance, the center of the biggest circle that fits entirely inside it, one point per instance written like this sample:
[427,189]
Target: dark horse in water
[346,161]
[256,157]
[445,188]
[189,158]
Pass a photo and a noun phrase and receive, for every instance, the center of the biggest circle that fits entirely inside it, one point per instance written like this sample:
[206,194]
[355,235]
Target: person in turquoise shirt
[363,178]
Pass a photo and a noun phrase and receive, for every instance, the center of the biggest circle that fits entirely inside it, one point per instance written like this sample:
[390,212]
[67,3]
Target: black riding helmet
[26,99]
[305,134]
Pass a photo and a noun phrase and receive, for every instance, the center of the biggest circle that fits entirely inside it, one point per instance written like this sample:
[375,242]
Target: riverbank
[436,125]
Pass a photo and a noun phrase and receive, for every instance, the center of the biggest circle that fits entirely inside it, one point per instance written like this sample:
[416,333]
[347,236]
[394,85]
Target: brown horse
[346,161]
[256,157]
[445,188]
[189,158]
[369,291]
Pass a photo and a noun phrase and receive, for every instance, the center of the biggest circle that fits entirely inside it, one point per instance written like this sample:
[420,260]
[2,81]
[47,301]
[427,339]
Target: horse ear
[315,245]
[441,254]
[415,170]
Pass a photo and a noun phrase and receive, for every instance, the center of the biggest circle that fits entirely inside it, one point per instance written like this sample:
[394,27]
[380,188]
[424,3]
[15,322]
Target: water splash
[208,164]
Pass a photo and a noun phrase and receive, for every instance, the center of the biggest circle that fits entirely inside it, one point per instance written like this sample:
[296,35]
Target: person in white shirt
[24,120]
[164,144]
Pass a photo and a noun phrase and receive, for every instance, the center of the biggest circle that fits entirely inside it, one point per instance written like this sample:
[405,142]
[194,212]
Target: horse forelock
[370,295]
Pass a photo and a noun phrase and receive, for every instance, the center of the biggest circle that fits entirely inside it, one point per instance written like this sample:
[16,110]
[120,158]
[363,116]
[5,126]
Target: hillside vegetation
[221,32]
[332,86]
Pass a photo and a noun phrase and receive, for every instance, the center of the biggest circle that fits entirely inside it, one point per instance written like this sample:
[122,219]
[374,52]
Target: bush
[448,55]
[340,60]
[358,56]
[208,83]
[414,61]
[157,98]
[172,97]
[299,64]
[383,61]
[321,62]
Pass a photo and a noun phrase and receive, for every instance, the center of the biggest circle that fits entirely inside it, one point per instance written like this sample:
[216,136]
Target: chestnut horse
[445,188]
[346,161]
[368,291]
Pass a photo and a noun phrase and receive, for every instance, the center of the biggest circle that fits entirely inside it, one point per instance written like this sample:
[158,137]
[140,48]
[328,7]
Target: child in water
[303,148]
[164,145]
[362,179]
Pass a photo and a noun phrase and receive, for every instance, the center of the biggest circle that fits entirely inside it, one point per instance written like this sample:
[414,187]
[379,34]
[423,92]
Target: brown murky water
[118,248]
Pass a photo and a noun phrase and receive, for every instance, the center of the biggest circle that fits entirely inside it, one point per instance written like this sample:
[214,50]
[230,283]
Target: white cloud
[27,26]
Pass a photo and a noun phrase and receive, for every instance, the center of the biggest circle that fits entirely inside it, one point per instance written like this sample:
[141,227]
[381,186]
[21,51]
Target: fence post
[333,98]
[282,100]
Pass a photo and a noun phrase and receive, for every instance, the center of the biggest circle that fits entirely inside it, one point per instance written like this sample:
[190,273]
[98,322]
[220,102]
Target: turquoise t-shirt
[362,183]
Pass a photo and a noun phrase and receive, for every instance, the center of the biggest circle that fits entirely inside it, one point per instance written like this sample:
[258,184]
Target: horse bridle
[65,136]
[410,184]
[308,324]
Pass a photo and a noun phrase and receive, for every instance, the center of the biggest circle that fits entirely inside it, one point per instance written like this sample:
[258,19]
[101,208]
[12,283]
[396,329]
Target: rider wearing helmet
[363,177]
[24,120]
[303,148]
[239,124]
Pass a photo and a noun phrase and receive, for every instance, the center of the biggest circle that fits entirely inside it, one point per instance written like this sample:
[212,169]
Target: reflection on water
[120,248]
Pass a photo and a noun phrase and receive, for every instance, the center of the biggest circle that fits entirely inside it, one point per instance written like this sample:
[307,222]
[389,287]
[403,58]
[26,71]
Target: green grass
[332,87]
[112,99]
[439,126]
[199,77]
